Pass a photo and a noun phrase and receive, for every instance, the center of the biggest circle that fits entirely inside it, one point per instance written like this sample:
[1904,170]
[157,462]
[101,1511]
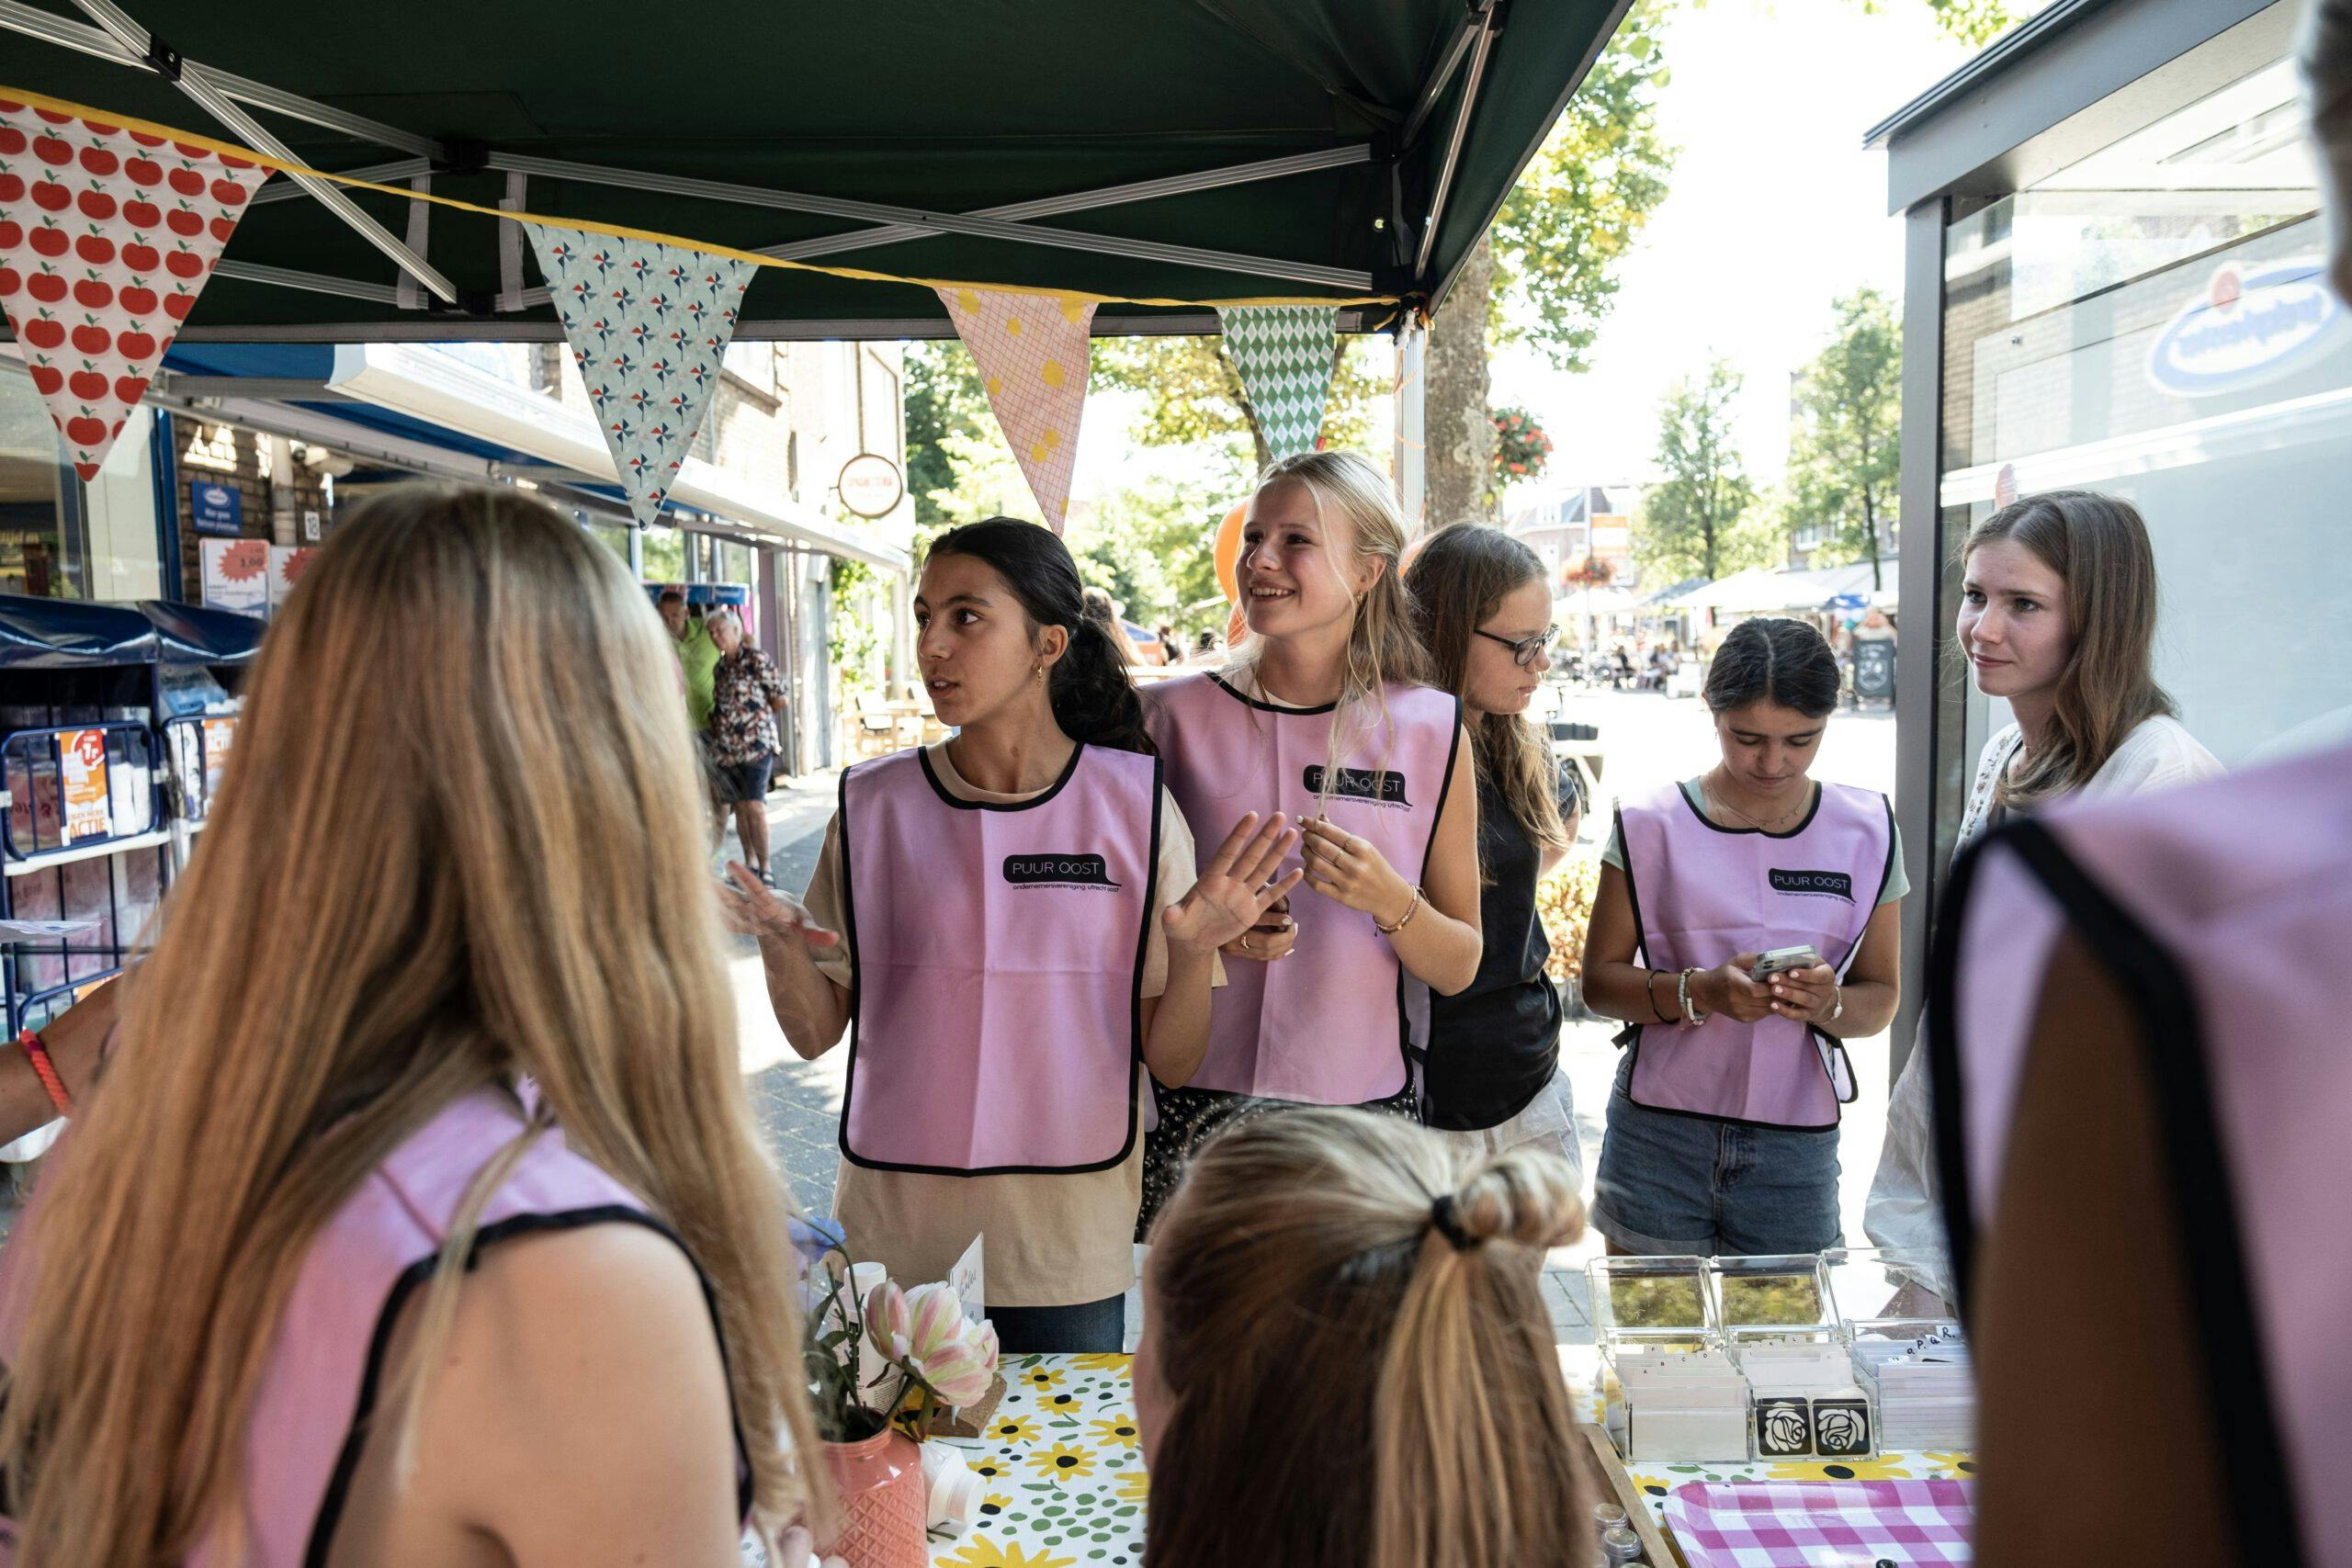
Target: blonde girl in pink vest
[1008,926]
[1723,1124]
[1324,712]
[419,1216]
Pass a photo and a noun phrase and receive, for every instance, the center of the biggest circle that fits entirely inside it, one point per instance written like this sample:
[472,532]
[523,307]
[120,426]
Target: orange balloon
[1228,551]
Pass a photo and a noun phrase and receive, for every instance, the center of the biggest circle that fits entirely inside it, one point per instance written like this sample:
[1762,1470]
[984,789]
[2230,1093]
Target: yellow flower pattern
[1119,1432]
[1041,1378]
[1062,1460]
[1885,1467]
[1011,1430]
[1132,1487]
[982,1553]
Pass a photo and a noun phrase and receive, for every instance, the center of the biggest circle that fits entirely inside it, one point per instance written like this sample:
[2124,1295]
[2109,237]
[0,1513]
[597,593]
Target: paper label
[82,755]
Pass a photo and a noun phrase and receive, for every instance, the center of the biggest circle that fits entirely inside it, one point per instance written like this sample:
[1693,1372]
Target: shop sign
[2248,327]
[218,508]
[871,485]
[236,574]
[81,756]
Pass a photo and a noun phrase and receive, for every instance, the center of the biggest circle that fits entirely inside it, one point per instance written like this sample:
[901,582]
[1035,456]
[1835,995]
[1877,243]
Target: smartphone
[1783,959]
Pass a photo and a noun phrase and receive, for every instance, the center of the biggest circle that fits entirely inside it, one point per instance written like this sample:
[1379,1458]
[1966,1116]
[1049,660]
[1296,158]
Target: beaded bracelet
[46,1070]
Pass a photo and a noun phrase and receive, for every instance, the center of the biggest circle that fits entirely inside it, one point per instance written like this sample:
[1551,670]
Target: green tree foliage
[948,412]
[1845,461]
[1194,396]
[1976,22]
[1697,521]
[1153,547]
[1584,199]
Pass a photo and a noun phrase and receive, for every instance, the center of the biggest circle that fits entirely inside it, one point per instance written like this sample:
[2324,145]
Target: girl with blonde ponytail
[421,1216]
[1393,1291]
[1325,714]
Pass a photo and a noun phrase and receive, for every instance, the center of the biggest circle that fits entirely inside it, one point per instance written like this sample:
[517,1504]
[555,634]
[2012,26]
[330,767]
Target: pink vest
[997,948]
[319,1386]
[1338,1023]
[2221,908]
[1702,893]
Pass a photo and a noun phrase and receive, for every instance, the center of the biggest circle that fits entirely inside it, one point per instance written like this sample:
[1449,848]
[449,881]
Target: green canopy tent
[1179,150]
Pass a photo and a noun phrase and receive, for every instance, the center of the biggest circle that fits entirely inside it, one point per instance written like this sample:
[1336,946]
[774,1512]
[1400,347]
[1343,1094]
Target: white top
[1902,1213]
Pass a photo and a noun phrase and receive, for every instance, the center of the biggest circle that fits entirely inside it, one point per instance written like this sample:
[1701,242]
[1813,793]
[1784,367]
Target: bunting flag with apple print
[1034,353]
[649,324]
[106,237]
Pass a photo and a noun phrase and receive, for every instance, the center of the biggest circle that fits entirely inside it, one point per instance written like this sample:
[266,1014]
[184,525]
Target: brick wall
[218,454]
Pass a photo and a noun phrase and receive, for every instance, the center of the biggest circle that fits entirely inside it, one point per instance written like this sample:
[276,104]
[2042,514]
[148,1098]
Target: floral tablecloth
[1061,1475]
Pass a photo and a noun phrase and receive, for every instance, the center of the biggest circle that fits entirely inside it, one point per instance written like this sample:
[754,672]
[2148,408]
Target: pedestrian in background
[747,696]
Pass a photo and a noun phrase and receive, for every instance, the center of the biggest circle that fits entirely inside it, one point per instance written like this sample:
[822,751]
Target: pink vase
[884,1503]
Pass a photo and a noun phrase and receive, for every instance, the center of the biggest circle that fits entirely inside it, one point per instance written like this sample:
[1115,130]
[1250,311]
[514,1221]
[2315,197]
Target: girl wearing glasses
[1323,715]
[1484,611]
[1723,1125]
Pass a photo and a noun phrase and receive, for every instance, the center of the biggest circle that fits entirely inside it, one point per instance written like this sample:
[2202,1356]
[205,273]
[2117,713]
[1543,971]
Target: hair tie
[1443,1217]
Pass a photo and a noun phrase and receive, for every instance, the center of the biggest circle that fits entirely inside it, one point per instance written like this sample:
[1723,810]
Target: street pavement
[1646,741]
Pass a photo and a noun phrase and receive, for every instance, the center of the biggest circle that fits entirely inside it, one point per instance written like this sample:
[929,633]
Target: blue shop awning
[52,634]
[195,634]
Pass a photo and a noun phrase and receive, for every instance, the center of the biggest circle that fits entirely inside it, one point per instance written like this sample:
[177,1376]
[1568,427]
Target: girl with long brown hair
[1484,611]
[1393,1289]
[1325,715]
[2058,617]
[422,1216]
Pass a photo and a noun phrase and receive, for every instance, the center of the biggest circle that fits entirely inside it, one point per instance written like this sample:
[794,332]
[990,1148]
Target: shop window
[2156,323]
[40,500]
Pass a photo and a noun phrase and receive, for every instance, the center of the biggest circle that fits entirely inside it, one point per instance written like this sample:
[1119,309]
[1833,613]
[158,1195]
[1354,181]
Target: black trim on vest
[2172,1048]
[1630,1037]
[1811,812]
[1404,1047]
[922,756]
[346,1464]
[1221,684]
[1135,1004]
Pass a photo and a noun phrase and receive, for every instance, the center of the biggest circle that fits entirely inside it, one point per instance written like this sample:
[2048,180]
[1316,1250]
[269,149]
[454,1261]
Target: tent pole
[1412,343]
[378,173]
[133,37]
[52,28]
[1424,106]
[315,282]
[1488,28]
[940,223]
[1086,201]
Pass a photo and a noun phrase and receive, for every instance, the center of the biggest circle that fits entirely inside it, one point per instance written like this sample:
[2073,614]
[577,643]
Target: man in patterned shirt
[747,695]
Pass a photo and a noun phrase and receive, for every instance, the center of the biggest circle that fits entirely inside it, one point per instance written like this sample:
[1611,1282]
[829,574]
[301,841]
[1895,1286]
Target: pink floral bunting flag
[1032,354]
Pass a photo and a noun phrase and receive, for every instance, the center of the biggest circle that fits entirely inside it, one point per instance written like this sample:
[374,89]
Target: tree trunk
[1459,463]
[1239,392]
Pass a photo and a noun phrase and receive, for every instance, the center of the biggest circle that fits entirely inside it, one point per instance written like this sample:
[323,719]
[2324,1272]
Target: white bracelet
[1683,998]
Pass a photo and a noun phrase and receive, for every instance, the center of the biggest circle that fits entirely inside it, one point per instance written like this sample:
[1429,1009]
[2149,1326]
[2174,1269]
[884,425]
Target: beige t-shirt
[1052,1240]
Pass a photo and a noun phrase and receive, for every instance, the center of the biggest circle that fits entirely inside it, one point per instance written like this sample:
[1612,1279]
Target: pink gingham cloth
[1823,1524]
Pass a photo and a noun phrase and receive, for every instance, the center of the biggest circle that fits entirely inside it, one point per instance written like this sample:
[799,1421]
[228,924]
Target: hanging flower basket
[1521,446]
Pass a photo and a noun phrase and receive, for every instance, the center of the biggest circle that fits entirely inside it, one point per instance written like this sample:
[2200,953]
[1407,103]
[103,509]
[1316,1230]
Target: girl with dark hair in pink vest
[1722,1126]
[1009,927]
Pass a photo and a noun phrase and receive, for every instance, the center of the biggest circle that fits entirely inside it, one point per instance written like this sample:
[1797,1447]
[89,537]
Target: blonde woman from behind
[420,1217]
[1359,1373]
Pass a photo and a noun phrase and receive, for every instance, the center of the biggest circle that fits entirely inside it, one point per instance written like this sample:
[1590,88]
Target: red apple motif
[53,152]
[10,106]
[144,139]
[129,388]
[184,263]
[222,228]
[86,385]
[12,141]
[228,193]
[11,234]
[98,160]
[95,249]
[185,221]
[139,257]
[93,294]
[48,380]
[85,432]
[50,240]
[51,196]
[100,128]
[188,149]
[177,306]
[134,346]
[92,339]
[12,188]
[11,280]
[54,117]
[188,182]
[45,333]
[95,205]
[145,171]
[47,287]
[142,214]
[139,301]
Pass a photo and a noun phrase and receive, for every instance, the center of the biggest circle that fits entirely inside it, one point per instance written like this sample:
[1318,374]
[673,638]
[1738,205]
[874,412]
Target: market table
[1061,1475]
[1063,1481]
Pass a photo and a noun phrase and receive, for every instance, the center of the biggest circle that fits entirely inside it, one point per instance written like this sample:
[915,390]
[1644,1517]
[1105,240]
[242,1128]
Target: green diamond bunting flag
[1284,354]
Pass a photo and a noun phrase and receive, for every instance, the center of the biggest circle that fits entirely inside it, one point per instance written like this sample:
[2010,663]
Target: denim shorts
[1672,1183]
